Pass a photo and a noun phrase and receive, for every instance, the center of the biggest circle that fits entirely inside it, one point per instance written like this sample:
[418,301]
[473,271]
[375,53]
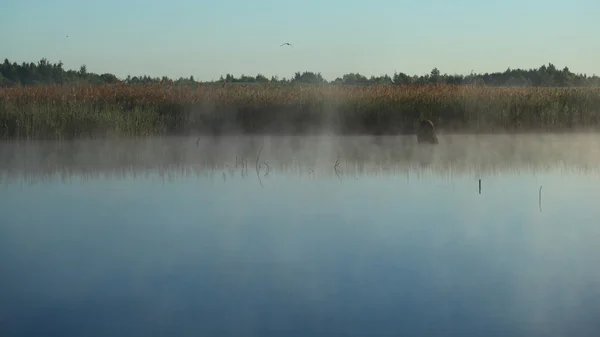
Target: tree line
[45,72]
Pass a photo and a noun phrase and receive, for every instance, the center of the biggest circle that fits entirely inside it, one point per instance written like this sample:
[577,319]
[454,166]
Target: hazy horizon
[209,39]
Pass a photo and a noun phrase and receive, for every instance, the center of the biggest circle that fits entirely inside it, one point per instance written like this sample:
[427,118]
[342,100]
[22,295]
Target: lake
[301,236]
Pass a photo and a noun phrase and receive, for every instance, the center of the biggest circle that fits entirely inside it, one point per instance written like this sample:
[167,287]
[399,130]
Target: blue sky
[209,38]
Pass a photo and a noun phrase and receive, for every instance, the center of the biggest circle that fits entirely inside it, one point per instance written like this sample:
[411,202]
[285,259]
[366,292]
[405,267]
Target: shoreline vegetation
[44,101]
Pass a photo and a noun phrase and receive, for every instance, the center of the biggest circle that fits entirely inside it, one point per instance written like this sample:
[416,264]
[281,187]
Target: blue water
[408,253]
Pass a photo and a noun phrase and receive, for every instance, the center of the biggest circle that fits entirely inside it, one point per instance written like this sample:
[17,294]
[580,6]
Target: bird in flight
[287,44]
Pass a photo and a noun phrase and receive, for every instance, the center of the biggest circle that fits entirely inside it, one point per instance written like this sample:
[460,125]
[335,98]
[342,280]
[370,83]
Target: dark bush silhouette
[426,132]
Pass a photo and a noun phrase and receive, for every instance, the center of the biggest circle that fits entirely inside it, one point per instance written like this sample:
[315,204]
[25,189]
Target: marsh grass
[63,112]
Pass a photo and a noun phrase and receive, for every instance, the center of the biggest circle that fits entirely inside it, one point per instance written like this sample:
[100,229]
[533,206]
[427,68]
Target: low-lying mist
[455,152]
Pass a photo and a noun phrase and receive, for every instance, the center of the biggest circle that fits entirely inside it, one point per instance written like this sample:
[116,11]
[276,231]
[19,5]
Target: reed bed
[59,112]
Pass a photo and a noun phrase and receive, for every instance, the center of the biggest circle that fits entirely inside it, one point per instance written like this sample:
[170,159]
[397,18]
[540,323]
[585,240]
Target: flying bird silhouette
[287,44]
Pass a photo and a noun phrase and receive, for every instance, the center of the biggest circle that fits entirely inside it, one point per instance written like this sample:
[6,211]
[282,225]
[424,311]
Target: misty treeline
[45,72]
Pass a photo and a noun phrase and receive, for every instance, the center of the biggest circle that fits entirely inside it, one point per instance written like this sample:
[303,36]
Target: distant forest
[44,72]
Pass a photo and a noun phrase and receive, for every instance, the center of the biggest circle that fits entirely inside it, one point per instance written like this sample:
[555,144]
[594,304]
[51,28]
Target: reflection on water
[168,237]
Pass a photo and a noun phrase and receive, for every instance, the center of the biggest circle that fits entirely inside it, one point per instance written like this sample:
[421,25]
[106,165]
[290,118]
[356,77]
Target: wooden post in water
[479,186]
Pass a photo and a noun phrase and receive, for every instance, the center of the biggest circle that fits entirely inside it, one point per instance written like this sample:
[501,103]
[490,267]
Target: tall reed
[49,112]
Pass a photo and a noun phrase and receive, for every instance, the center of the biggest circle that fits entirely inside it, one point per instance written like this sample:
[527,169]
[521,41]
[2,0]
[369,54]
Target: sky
[207,39]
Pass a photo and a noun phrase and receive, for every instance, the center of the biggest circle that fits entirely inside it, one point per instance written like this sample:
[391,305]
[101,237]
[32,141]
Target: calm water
[173,237]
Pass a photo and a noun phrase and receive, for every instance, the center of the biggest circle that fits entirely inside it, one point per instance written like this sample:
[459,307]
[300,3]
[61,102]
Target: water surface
[337,237]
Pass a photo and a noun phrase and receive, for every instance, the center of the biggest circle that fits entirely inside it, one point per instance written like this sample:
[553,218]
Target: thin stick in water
[257,166]
[335,167]
[258,157]
[244,165]
[540,199]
